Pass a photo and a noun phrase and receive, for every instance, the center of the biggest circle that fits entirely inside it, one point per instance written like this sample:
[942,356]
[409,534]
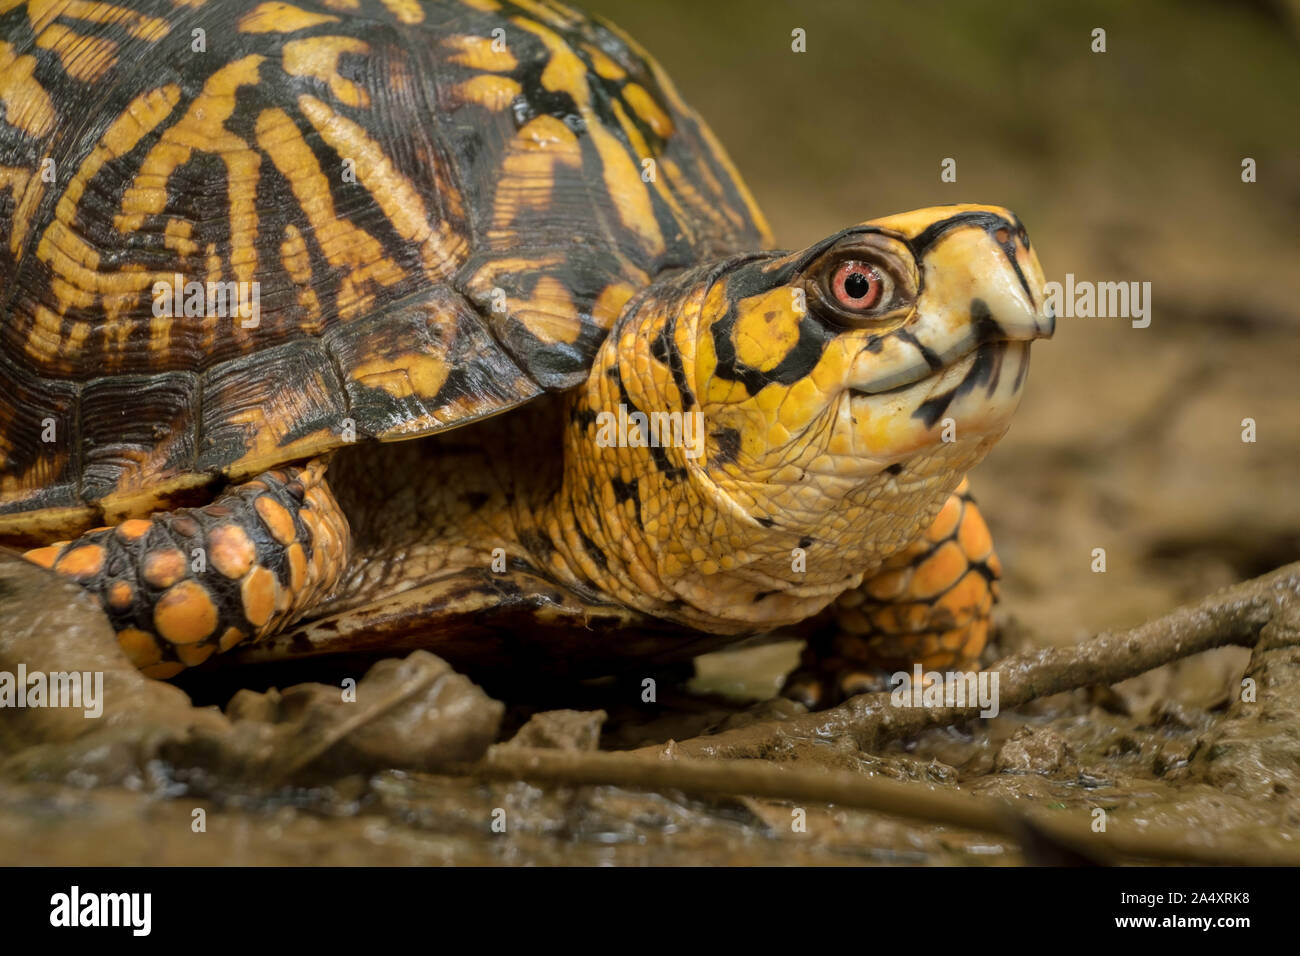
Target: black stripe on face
[664,349]
[798,362]
[657,453]
[987,368]
[990,223]
[931,359]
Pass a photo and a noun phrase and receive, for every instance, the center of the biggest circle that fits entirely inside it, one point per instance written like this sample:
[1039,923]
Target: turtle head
[868,352]
[825,400]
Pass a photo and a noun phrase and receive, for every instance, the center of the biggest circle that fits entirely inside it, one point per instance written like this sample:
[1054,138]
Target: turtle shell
[238,233]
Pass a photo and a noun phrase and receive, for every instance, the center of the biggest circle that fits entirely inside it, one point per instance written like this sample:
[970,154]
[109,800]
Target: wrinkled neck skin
[713,540]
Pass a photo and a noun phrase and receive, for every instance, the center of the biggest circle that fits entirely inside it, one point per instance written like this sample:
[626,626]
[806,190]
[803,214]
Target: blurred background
[1125,166]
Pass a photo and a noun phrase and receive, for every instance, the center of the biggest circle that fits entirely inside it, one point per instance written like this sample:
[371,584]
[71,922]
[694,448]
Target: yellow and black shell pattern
[239,233]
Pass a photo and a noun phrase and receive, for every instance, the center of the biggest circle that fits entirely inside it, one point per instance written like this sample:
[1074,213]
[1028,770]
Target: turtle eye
[857,286]
[867,280]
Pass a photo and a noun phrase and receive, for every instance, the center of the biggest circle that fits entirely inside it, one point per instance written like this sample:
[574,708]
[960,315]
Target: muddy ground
[1124,166]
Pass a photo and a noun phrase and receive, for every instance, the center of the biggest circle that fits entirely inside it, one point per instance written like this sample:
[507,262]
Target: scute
[442,221]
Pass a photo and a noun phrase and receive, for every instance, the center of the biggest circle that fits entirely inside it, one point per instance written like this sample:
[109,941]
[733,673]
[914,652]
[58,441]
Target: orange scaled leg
[181,585]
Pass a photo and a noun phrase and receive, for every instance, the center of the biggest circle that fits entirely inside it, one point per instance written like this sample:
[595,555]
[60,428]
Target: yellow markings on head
[767,328]
[275,17]
[477,54]
[644,105]
[319,57]
[343,244]
[492,92]
[484,6]
[26,104]
[916,221]
[716,390]
[406,11]
[441,251]
[804,401]
[549,313]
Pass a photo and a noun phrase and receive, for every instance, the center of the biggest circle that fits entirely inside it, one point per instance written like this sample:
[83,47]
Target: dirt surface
[1124,166]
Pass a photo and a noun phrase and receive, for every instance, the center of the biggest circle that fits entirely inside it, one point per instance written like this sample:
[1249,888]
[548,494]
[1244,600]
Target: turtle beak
[1006,283]
[1035,319]
[982,287]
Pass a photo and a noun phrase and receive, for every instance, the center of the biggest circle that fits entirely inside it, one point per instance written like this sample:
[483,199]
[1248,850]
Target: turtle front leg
[930,604]
[180,585]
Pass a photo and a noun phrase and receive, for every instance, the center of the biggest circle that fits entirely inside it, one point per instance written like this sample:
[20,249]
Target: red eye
[856,285]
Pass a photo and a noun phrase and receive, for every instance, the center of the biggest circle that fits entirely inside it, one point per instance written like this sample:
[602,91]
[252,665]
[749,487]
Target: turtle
[356,326]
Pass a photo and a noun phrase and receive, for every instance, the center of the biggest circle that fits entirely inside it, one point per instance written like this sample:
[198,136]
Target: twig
[1233,615]
[845,789]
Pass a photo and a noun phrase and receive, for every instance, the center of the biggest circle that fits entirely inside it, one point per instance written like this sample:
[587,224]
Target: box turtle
[271,271]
